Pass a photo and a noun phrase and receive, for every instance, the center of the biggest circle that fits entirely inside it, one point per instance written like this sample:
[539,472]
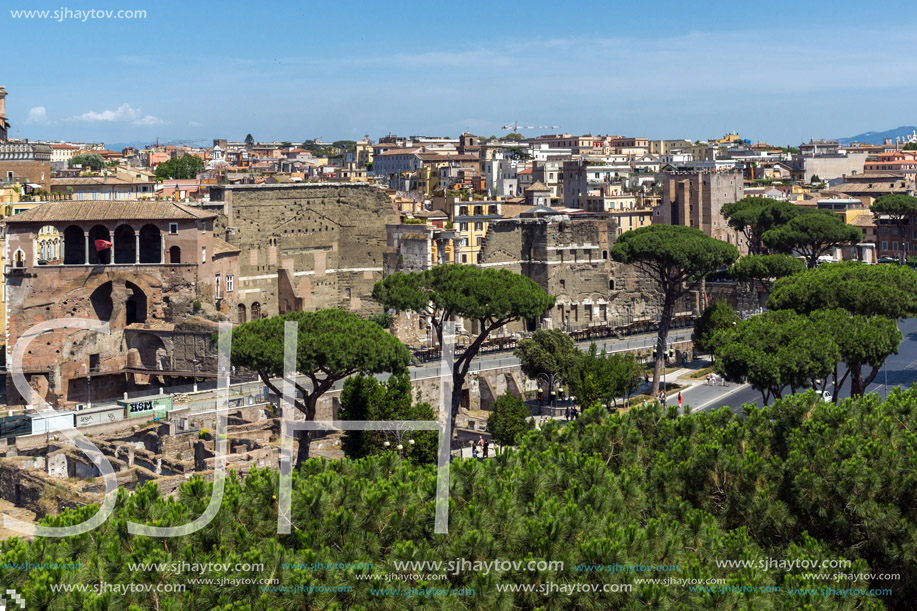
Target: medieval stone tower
[4,124]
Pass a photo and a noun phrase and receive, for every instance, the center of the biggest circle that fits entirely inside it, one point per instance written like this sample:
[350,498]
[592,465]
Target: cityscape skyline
[695,72]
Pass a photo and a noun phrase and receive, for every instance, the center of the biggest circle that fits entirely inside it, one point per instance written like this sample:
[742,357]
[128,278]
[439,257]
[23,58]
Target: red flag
[103,245]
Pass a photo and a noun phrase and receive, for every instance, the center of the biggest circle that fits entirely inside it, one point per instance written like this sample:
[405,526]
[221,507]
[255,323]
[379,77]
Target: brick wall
[331,239]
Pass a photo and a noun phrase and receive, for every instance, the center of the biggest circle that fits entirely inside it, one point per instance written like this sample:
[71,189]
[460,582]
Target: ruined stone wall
[570,258]
[160,294]
[330,238]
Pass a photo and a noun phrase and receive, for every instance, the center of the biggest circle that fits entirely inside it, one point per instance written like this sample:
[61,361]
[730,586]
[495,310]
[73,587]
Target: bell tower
[4,124]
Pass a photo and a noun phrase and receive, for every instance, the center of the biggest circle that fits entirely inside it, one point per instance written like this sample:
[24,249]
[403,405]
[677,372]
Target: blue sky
[776,71]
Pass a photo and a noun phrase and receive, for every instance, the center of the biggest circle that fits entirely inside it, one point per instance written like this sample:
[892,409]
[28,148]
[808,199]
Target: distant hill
[879,137]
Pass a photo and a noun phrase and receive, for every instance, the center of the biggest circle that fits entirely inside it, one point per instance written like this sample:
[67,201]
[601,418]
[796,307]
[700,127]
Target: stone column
[162,248]
[137,247]
[86,262]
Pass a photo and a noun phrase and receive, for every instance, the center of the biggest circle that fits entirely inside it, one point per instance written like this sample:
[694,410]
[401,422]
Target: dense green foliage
[331,345]
[715,318]
[95,161]
[603,378]
[491,297]
[766,267]
[862,341]
[797,480]
[775,350]
[812,235]
[184,167]
[510,418]
[871,290]
[384,320]
[677,258]
[549,352]
[366,398]
[900,210]
[859,306]
[752,216]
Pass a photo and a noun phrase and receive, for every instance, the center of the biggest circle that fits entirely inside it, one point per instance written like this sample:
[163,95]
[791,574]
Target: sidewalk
[678,376]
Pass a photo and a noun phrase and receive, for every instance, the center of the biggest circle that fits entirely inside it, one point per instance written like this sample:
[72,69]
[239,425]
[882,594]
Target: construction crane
[515,127]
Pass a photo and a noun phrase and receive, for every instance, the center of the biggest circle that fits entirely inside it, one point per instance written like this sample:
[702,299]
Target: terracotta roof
[863,220]
[97,180]
[866,176]
[399,152]
[108,210]
[853,189]
[537,186]
[222,247]
[433,156]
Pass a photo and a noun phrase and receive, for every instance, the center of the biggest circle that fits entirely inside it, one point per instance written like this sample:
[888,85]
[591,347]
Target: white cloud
[123,113]
[148,121]
[194,124]
[38,115]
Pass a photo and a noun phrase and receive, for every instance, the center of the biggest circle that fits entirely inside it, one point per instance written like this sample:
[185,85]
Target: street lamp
[551,379]
[88,386]
[398,438]
[194,363]
[886,378]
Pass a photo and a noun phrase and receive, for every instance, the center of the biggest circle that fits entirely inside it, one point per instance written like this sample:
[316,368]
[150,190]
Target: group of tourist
[481,449]
[712,379]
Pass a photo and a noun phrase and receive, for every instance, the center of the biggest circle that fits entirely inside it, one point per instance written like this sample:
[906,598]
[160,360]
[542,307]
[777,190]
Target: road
[901,368]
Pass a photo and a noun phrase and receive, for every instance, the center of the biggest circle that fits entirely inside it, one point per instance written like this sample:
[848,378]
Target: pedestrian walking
[486,447]
[474,451]
[679,398]
[707,379]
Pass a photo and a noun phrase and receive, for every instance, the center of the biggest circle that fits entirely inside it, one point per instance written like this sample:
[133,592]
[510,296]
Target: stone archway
[150,244]
[125,244]
[136,304]
[102,304]
[99,253]
[151,350]
[74,246]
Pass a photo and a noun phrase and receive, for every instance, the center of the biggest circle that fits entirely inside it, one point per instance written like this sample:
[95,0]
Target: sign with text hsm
[157,405]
